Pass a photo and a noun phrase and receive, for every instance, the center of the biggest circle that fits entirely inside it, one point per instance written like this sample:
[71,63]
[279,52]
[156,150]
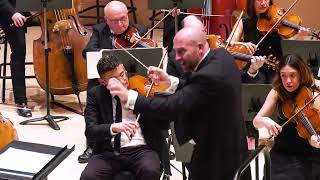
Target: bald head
[115,7]
[190,45]
[116,16]
[193,21]
[191,34]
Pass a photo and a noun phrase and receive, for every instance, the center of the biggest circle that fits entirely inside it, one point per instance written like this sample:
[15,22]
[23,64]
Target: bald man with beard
[208,103]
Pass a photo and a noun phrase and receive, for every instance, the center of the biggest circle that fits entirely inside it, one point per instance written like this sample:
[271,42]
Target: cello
[66,40]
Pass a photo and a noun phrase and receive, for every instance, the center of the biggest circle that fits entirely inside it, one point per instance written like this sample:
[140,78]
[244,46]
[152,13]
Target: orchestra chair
[3,66]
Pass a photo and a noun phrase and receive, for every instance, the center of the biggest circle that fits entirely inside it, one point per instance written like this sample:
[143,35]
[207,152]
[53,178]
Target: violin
[129,39]
[142,85]
[239,52]
[288,26]
[308,120]
[7,132]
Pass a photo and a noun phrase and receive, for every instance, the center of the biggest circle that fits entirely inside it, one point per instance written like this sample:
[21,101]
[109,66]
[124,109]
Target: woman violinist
[247,29]
[292,157]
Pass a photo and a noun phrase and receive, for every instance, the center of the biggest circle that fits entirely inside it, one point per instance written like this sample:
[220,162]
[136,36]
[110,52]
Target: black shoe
[23,110]
[83,158]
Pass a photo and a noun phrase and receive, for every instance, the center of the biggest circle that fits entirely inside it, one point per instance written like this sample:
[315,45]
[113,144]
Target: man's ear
[102,81]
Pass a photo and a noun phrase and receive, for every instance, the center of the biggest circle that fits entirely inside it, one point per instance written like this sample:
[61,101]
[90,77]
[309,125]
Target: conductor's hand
[315,141]
[128,127]
[116,88]
[18,19]
[159,76]
[273,128]
[256,63]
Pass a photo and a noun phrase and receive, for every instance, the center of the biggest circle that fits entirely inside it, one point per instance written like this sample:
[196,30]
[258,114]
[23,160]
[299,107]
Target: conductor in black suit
[208,102]
[120,142]
[103,36]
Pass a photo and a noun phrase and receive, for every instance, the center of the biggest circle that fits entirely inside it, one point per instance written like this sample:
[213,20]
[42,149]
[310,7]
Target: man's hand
[116,88]
[256,63]
[159,76]
[128,127]
[18,19]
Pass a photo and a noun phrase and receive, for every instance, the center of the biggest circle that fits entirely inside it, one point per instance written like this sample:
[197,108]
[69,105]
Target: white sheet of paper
[22,160]
[92,61]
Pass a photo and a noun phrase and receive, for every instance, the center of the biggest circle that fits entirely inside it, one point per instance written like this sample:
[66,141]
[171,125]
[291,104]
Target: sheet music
[92,61]
[23,160]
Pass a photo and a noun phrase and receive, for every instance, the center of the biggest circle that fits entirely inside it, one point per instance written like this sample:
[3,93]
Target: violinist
[17,40]
[292,157]
[120,142]
[103,36]
[247,34]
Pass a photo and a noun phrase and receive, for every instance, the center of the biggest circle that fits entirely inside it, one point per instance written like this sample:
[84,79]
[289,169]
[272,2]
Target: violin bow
[151,29]
[278,21]
[196,14]
[152,82]
[298,112]
[234,29]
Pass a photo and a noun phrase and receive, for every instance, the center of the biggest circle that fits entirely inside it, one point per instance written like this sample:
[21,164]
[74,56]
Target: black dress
[271,45]
[292,157]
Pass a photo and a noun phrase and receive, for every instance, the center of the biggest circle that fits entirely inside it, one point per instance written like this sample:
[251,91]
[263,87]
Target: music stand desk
[56,156]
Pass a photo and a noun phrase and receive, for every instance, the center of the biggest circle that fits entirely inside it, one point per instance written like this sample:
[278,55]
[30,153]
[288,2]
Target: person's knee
[88,175]
[151,171]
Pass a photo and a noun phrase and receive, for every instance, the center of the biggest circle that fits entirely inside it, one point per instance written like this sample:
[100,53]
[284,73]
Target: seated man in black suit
[103,36]
[120,142]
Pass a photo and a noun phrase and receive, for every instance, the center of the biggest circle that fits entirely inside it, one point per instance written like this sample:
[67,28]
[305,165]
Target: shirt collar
[204,56]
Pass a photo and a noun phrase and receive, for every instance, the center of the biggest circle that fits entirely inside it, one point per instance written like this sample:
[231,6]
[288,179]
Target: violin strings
[299,111]
[278,21]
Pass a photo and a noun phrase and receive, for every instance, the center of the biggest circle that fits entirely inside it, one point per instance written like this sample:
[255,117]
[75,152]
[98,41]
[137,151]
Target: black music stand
[38,5]
[42,158]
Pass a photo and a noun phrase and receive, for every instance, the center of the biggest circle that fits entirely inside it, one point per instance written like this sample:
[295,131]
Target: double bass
[66,40]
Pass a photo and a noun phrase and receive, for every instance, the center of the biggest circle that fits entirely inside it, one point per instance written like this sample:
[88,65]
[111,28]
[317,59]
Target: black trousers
[17,41]
[285,167]
[141,160]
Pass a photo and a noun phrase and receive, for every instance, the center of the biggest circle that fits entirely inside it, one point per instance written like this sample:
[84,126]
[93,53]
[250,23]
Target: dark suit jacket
[209,102]
[102,37]
[99,117]
[6,10]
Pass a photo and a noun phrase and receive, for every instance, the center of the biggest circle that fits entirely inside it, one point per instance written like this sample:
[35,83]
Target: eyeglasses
[122,77]
[122,19]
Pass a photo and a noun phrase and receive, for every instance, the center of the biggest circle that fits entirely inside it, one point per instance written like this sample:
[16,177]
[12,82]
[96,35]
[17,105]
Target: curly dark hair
[297,63]
[107,63]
